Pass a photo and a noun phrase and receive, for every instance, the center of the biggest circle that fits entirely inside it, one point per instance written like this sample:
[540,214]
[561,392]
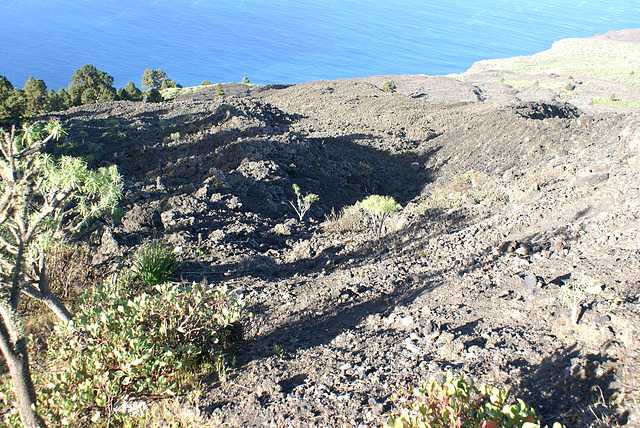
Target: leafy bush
[154,264]
[119,346]
[457,402]
[379,208]
[44,199]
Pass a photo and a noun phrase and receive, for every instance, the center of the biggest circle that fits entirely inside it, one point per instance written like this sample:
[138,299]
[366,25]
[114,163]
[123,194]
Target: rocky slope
[506,194]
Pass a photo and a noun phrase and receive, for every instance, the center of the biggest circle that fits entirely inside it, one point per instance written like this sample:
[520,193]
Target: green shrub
[119,346]
[206,83]
[569,86]
[153,96]
[388,86]
[379,208]
[245,81]
[154,264]
[457,402]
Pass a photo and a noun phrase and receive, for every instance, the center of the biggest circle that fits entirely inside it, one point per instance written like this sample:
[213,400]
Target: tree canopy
[90,85]
[35,93]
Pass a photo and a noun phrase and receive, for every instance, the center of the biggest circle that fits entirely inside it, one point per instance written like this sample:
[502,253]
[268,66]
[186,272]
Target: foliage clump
[389,86]
[156,79]
[88,86]
[119,345]
[379,208]
[154,263]
[42,200]
[458,402]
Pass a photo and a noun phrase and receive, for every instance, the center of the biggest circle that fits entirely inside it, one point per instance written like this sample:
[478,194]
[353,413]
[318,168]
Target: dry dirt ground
[506,194]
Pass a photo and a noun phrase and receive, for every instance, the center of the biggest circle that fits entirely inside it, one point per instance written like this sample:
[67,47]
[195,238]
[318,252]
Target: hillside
[506,193]
[599,70]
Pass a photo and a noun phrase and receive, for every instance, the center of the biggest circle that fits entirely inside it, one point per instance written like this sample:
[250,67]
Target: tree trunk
[18,363]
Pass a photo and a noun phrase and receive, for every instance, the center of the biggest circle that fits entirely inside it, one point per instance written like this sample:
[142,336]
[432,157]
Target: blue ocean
[285,41]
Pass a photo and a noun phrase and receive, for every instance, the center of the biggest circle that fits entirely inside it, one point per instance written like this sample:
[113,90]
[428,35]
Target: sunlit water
[285,41]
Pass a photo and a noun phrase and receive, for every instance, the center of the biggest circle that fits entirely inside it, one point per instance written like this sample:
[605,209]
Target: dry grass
[351,218]
[601,59]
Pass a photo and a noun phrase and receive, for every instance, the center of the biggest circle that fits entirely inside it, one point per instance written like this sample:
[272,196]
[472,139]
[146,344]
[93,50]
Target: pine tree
[152,79]
[35,93]
[132,92]
[12,102]
[219,90]
[88,85]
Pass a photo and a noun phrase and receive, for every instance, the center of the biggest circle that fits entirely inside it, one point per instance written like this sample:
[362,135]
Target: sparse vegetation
[349,219]
[589,57]
[635,105]
[302,203]
[573,293]
[458,402]
[470,186]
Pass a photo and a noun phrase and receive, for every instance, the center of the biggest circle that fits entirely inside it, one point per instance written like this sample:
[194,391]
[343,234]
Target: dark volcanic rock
[496,194]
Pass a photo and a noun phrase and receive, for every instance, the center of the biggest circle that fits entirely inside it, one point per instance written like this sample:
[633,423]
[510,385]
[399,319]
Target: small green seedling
[379,208]
[573,293]
[302,203]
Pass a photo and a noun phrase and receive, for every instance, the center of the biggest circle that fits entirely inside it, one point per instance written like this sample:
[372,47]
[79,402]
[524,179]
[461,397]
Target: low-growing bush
[118,346]
[388,86]
[458,402]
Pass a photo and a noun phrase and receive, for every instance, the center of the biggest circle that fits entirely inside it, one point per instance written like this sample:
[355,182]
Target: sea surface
[285,41]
